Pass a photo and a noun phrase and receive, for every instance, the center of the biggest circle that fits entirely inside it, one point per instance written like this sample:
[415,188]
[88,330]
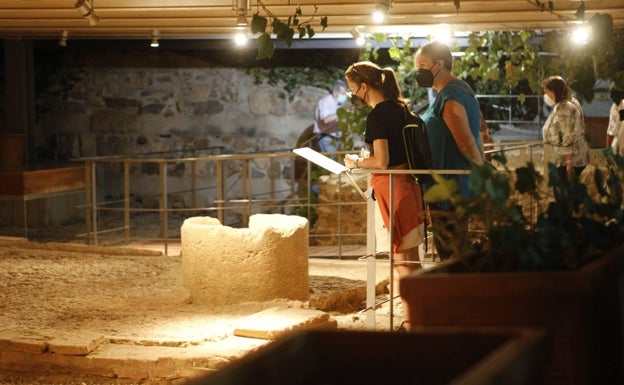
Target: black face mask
[358,102]
[424,77]
[621,115]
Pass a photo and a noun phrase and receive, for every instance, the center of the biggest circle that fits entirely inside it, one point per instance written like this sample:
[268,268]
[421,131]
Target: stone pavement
[90,354]
[101,360]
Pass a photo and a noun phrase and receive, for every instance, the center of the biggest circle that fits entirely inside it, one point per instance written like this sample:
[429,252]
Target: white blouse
[565,131]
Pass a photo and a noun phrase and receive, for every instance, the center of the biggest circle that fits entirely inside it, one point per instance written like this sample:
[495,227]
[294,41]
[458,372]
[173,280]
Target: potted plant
[556,267]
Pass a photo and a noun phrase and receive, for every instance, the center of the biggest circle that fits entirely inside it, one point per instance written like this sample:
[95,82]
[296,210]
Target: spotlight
[155,36]
[63,39]
[360,39]
[444,34]
[85,7]
[241,20]
[382,8]
[240,39]
[581,34]
[241,7]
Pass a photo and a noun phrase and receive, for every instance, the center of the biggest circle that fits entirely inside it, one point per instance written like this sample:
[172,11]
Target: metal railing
[230,192]
[219,185]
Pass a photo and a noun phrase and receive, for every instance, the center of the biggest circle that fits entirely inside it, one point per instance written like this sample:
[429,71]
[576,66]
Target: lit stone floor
[71,313]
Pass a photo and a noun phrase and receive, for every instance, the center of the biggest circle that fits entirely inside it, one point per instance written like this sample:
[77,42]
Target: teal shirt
[446,154]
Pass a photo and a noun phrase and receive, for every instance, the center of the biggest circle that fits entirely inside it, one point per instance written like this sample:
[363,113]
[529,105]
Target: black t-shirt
[386,121]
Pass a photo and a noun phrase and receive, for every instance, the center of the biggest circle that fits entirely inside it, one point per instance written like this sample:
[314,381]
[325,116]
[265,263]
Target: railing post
[126,171]
[272,184]
[94,216]
[245,192]
[88,203]
[193,172]
[220,191]
[371,262]
[164,225]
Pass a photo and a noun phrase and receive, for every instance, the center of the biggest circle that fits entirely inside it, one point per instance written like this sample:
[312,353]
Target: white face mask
[342,98]
[548,100]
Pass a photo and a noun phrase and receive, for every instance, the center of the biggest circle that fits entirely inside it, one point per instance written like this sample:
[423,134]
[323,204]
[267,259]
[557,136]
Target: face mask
[621,110]
[358,102]
[342,98]
[424,77]
[548,100]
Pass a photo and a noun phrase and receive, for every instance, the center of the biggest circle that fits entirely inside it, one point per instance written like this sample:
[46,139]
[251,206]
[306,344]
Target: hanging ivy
[283,30]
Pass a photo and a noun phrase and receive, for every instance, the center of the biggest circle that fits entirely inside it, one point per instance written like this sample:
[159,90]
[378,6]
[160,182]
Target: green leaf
[457,4]
[527,179]
[266,47]
[324,22]
[258,24]
[283,31]
[443,189]
[580,12]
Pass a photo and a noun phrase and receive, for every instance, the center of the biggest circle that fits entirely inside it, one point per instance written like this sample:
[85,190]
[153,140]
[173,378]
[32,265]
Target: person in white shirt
[325,117]
[616,121]
[564,128]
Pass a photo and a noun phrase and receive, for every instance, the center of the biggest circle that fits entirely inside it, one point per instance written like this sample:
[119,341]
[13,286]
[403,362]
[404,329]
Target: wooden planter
[580,309]
[426,357]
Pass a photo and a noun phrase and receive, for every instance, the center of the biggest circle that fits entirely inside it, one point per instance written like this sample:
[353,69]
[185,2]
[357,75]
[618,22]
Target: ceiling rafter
[45,19]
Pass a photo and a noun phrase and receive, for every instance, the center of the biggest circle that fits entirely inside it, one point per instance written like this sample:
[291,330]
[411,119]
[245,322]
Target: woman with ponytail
[378,88]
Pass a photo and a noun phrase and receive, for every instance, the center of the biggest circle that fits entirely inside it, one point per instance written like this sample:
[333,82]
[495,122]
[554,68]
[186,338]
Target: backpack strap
[407,111]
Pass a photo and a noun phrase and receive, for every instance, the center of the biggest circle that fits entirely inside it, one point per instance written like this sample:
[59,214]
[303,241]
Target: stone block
[222,265]
[75,344]
[275,322]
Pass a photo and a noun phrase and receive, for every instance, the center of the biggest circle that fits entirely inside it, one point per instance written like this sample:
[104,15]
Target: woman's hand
[351,160]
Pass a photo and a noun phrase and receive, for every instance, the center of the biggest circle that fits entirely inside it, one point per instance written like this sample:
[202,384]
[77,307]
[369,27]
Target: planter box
[580,309]
[433,357]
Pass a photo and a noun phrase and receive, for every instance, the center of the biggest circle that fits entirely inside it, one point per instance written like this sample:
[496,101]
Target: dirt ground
[128,294]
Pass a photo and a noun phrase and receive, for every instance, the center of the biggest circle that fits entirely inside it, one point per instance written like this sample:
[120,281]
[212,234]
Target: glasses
[351,93]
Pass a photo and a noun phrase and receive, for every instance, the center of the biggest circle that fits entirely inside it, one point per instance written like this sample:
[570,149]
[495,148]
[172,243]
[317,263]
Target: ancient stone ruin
[222,265]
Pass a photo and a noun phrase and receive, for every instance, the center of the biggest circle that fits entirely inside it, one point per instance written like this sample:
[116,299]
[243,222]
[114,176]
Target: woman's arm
[455,117]
[378,159]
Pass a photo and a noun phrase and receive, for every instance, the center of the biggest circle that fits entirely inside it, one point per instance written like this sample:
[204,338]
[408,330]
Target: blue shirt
[446,154]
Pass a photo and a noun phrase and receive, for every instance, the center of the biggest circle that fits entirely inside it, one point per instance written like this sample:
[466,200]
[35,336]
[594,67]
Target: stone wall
[108,103]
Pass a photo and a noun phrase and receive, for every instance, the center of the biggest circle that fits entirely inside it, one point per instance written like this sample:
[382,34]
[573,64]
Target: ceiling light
[85,7]
[444,34]
[241,7]
[581,34]
[360,39]
[381,10]
[155,35]
[241,20]
[63,39]
[240,39]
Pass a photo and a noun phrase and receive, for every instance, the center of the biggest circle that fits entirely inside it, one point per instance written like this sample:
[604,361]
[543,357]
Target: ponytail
[384,80]
[391,87]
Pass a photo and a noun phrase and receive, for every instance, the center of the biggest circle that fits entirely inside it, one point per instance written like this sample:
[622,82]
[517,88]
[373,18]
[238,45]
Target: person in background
[453,124]
[564,128]
[325,117]
[379,89]
[616,119]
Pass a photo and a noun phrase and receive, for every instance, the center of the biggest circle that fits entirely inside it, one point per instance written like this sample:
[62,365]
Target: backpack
[416,142]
